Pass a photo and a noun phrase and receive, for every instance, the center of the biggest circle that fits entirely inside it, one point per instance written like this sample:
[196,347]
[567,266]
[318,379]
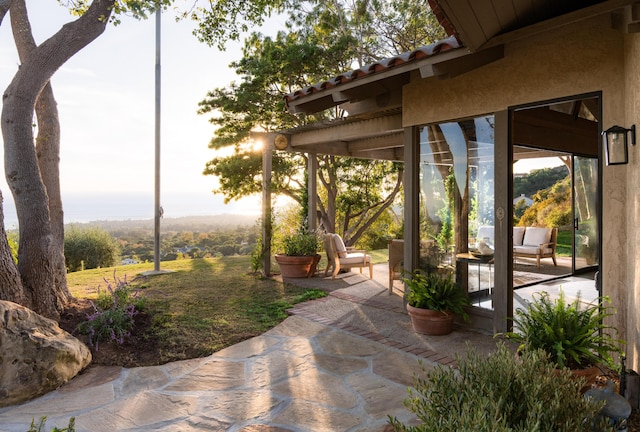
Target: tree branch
[5,5]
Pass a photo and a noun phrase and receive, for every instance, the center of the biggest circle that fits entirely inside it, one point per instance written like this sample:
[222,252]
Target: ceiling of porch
[560,128]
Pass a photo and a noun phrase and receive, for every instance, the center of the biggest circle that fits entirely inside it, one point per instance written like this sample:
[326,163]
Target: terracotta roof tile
[444,45]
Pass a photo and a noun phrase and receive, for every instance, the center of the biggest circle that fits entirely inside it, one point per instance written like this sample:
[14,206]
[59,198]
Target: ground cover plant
[500,392]
[202,306]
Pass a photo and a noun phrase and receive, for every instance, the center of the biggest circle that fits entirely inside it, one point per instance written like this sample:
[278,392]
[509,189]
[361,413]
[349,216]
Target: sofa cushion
[534,236]
[531,250]
[340,247]
[518,236]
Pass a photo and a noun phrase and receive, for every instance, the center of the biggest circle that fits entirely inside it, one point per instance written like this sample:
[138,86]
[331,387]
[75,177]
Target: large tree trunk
[10,283]
[37,244]
[47,150]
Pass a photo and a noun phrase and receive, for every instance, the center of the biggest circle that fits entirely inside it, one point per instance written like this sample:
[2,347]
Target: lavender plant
[114,313]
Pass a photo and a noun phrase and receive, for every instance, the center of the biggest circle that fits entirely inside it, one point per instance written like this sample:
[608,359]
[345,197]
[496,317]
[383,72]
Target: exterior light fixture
[616,144]
[281,142]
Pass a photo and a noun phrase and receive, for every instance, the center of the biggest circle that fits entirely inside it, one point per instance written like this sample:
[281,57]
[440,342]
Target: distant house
[527,201]
[187,249]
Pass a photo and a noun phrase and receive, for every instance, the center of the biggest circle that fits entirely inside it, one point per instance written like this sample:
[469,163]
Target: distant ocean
[88,208]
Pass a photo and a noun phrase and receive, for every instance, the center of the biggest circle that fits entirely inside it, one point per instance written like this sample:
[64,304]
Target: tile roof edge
[447,44]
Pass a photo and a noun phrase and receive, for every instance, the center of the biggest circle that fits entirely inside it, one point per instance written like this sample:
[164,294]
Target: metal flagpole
[158,208]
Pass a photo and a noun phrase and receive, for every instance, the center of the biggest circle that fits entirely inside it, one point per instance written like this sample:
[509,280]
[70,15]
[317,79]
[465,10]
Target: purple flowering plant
[113,313]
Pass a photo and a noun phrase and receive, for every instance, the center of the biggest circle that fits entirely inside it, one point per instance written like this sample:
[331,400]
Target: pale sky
[105,98]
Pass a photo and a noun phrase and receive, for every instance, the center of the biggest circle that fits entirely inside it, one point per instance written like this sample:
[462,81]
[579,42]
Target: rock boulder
[36,355]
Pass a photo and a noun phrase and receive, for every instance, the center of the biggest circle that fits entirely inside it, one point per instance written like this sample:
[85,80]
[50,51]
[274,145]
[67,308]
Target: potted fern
[433,302]
[574,335]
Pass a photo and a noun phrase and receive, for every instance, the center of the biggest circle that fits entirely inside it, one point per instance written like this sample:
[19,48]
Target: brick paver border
[302,310]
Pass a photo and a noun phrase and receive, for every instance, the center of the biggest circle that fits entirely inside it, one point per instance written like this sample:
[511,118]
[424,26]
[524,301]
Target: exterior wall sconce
[616,144]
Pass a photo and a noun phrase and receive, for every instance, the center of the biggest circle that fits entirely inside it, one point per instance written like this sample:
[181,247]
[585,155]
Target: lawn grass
[564,245]
[203,305]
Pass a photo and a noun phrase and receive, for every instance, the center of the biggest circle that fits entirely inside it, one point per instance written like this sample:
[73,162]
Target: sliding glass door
[585,223]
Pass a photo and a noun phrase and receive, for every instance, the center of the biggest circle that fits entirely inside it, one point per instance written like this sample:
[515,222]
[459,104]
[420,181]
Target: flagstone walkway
[341,363]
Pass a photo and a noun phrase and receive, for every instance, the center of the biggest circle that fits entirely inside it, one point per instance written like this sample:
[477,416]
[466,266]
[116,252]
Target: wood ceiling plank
[464,20]
[506,14]
[485,14]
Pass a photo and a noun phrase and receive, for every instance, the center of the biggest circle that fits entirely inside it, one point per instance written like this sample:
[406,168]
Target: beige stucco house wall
[584,57]
[629,240]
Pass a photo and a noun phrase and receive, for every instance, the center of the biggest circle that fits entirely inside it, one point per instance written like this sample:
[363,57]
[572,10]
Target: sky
[106,99]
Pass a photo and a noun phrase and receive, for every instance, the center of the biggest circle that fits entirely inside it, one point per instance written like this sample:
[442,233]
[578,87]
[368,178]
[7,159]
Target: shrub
[114,313]
[500,393]
[300,244]
[89,248]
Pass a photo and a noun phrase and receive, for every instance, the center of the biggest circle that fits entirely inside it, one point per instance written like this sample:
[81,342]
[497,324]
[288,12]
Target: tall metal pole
[158,208]
[267,156]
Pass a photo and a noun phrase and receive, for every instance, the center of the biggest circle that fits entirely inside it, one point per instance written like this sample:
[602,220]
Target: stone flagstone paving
[342,363]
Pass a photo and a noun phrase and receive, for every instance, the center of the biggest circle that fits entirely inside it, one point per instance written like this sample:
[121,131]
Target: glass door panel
[586,235]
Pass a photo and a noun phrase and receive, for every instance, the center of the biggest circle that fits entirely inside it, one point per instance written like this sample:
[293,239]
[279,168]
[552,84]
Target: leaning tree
[31,165]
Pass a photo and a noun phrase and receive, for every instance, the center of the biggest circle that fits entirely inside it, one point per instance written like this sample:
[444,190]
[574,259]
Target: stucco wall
[563,62]
[631,281]
[582,58]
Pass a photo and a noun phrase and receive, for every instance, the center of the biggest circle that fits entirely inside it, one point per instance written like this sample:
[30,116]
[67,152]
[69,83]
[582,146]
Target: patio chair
[396,259]
[340,257]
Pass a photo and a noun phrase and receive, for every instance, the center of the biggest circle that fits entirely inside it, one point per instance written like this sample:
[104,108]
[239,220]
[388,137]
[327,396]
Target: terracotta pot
[297,266]
[589,374]
[430,322]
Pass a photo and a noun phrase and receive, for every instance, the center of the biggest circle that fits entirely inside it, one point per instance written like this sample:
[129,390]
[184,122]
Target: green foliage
[257,254]
[114,312]
[551,207]
[537,180]
[500,393]
[326,40]
[445,235]
[12,238]
[40,426]
[573,335]
[89,247]
[385,227]
[300,244]
[436,291]
[518,210]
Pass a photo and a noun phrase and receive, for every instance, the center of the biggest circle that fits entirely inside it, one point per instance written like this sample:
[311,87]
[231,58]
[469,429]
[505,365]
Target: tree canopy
[326,39]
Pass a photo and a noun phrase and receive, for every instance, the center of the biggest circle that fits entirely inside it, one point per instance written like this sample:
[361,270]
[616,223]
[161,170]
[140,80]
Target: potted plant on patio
[433,302]
[300,255]
[574,335]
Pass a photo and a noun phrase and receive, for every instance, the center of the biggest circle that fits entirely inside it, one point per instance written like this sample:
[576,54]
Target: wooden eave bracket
[459,65]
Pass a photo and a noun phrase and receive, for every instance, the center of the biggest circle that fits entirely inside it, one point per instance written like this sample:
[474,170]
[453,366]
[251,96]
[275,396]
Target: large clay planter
[589,374]
[430,322]
[297,266]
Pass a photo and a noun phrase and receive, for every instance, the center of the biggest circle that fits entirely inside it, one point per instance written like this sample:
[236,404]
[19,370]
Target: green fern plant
[436,291]
[573,335]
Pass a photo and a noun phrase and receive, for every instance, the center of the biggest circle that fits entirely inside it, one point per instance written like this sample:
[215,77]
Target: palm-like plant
[574,336]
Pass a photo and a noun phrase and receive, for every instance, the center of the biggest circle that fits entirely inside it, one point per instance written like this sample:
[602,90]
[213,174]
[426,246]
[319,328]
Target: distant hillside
[187,223]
